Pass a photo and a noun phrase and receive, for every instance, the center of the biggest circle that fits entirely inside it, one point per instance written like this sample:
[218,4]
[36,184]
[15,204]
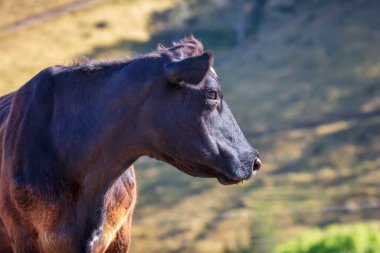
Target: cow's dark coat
[71,134]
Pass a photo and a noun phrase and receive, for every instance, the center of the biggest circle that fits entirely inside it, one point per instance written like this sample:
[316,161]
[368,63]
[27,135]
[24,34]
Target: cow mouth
[226,180]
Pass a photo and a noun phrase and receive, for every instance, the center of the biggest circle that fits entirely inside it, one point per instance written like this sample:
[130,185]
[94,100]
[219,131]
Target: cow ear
[190,70]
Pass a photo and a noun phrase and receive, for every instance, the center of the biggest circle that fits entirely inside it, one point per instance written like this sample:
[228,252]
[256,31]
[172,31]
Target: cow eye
[211,94]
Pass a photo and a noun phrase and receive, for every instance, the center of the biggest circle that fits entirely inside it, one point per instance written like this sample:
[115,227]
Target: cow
[70,136]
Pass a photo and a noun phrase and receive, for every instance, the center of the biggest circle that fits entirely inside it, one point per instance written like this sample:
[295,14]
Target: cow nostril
[256,164]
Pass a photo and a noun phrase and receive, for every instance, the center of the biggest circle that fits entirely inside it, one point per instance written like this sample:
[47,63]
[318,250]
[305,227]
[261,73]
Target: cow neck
[98,137]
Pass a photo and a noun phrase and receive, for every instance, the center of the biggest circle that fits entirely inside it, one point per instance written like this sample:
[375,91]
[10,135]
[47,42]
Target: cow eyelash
[211,94]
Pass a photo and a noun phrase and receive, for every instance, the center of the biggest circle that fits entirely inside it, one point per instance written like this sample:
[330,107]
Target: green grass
[359,238]
[321,66]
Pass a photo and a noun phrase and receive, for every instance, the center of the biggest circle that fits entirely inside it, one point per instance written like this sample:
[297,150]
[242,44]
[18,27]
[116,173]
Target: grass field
[306,93]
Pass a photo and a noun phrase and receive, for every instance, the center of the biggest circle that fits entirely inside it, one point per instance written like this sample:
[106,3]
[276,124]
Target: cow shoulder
[34,167]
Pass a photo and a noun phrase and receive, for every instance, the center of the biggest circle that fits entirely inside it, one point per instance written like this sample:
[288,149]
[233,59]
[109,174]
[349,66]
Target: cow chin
[196,171]
[225,180]
[192,170]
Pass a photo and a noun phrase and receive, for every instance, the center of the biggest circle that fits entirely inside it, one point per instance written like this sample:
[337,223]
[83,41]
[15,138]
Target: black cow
[71,134]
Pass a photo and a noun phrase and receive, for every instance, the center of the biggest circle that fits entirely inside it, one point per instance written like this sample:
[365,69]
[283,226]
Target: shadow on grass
[183,19]
[359,133]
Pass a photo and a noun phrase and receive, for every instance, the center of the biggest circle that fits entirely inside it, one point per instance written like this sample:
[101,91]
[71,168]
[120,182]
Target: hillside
[23,53]
[305,89]
[307,94]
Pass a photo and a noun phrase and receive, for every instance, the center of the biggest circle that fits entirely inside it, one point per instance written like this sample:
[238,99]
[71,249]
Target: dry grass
[16,10]
[26,52]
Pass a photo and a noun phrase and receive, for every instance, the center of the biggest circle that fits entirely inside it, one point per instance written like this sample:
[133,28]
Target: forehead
[212,80]
[212,72]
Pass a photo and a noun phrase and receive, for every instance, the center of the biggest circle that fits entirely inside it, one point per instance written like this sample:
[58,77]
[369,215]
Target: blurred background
[302,78]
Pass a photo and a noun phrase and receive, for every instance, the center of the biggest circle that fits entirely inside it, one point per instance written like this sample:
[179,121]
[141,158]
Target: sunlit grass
[331,128]
[16,10]
[24,53]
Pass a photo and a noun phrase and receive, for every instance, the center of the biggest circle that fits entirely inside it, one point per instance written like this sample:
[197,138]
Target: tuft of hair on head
[190,46]
[186,47]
